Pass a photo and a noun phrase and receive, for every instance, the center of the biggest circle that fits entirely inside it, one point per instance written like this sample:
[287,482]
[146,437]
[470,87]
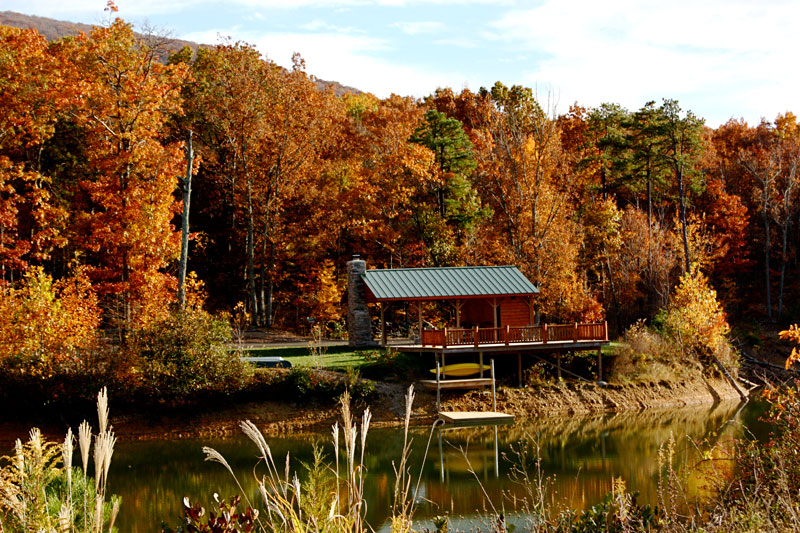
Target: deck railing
[576,332]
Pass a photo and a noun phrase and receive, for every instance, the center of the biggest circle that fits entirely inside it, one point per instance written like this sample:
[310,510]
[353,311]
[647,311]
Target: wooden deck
[550,337]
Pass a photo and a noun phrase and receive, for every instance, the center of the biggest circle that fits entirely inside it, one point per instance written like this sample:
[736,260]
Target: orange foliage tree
[266,127]
[124,97]
[524,177]
[31,94]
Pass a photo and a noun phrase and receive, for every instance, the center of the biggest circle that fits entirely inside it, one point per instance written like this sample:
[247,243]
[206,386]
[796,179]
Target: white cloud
[351,60]
[92,11]
[712,55]
[319,24]
[415,28]
[456,42]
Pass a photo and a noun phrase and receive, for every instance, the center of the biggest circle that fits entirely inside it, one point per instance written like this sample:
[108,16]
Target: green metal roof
[449,282]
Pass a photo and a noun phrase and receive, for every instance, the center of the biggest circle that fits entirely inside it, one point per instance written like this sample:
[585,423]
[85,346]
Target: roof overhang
[448,283]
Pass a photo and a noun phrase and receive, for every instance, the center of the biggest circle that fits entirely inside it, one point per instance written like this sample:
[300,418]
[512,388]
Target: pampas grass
[38,487]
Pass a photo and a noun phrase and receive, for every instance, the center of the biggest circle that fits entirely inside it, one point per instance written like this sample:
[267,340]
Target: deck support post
[575,333]
[558,365]
[507,332]
[599,364]
[476,337]
[519,368]
[419,319]
[480,362]
[383,324]
[438,389]
[494,393]
[544,333]
[495,305]
[444,339]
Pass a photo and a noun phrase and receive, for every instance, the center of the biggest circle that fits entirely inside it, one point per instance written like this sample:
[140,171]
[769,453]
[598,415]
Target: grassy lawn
[332,357]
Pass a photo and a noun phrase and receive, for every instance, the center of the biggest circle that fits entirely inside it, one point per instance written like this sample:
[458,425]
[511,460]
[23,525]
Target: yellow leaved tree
[792,334]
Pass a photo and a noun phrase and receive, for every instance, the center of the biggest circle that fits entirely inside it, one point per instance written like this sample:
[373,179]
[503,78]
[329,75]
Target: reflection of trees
[581,454]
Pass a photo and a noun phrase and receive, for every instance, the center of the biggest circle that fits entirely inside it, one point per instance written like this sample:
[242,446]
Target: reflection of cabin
[493,311]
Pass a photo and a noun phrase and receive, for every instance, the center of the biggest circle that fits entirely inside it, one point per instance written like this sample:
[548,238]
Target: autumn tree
[523,176]
[761,158]
[265,125]
[31,96]
[124,97]
[46,326]
[788,188]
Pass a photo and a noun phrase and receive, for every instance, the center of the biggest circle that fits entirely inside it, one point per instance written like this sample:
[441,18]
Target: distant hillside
[56,29]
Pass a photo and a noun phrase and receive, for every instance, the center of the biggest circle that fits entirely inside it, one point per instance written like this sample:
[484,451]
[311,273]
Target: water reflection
[465,473]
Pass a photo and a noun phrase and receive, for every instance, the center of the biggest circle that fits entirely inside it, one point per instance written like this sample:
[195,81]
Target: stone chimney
[359,327]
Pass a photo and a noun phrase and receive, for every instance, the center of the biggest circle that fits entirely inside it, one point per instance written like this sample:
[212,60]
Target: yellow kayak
[461,369]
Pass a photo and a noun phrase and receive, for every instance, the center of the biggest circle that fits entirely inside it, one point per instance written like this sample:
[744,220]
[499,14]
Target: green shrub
[186,353]
[306,384]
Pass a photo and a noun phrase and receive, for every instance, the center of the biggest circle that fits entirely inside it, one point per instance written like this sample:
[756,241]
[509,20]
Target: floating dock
[477,418]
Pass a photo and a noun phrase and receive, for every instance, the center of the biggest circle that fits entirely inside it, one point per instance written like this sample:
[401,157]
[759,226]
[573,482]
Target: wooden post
[519,368]
[480,362]
[599,364]
[444,339]
[383,324]
[605,329]
[438,388]
[575,333]
[494,305]
[508,330]
[476,337]
[419,318]
[458,304]
[544,333]
[494,394]
[531,314]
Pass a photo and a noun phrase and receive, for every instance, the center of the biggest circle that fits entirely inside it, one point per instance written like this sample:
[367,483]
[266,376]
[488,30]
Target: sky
[721,59]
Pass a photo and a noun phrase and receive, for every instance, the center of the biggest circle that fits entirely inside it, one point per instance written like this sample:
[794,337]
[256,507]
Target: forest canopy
[604,208]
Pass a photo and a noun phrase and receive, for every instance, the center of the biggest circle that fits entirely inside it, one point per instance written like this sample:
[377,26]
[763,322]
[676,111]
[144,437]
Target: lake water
[580,455]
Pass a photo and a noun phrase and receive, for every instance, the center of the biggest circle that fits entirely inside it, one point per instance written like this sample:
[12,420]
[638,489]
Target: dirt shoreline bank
[275,418]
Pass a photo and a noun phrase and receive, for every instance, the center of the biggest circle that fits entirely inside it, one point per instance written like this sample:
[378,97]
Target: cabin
[493,312]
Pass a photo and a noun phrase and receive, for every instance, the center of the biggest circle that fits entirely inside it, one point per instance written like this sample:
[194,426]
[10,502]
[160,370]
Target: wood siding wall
[514,313]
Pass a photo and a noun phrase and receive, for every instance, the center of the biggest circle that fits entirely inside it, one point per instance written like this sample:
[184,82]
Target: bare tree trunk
[682,201]
[186,185]
[251,278]
[262,274]
[766,260]
[783,267]
[271,284]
